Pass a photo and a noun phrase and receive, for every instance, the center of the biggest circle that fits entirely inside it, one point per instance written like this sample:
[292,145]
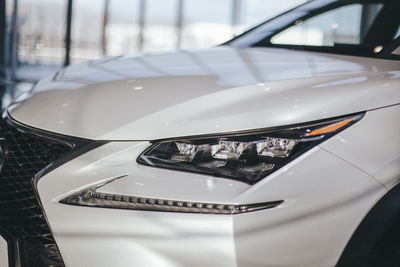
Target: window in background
[87,30]
[122,29]
[206,23]
[338,26]
[9,8]
[117,27]
[396,51]
[258,11]
[397,34]
[160,31]
[41,29]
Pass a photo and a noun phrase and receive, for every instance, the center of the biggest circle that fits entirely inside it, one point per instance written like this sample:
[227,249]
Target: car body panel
[321,221]
[3,252]
[375,150]
[205,92]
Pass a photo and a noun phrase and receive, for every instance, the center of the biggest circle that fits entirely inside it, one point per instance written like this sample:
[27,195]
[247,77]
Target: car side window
[396,51]
[397,33]
[344,25]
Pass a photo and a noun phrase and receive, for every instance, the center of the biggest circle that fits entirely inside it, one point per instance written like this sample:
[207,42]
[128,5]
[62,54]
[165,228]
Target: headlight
[246,156]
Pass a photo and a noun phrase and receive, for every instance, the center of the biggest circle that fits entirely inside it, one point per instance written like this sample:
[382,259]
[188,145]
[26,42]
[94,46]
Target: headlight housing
[244,156]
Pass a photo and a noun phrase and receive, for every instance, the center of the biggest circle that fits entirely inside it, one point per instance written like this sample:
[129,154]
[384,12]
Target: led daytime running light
[92,198]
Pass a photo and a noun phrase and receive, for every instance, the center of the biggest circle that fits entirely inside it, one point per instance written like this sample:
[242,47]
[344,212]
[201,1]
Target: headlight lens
[247,156]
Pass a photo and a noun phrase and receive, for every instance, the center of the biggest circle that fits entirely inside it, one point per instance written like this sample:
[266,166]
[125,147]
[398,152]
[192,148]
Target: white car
[279,148]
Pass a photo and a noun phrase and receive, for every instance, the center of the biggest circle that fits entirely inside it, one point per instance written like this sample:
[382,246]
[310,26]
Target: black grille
[21,217]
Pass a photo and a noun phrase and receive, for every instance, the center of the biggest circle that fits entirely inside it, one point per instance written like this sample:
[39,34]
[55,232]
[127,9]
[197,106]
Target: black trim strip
[259,130]
[69,140]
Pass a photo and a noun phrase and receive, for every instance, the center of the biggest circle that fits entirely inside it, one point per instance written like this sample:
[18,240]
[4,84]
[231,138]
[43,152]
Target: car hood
[223,89]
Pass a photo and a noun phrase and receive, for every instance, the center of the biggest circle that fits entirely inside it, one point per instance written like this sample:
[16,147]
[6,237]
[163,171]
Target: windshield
[355,27]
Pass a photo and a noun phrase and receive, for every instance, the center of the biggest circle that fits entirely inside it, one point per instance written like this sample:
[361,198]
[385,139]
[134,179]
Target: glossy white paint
[3,252]
[325,199]
[199,92]
[326,191]
[373,145]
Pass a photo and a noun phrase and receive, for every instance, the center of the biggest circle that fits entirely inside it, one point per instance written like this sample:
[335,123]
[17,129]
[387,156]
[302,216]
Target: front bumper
[325,198]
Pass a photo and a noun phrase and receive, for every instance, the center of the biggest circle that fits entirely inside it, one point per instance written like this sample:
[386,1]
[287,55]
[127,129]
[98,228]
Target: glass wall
[257,11]
[116,27]
[9,8]
[41,35]
[122,29]
[206,23]
[160,31]
[87,30]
